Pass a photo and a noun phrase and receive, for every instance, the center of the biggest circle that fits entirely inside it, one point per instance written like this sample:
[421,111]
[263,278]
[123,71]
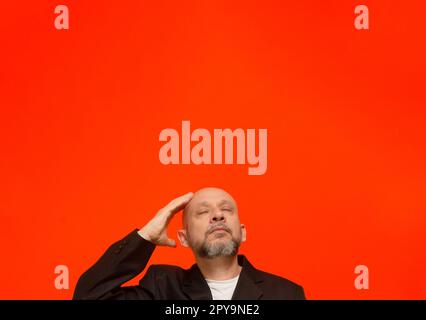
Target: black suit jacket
[128,257]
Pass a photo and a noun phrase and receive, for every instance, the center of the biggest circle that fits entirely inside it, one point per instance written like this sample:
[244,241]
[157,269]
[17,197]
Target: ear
[243,233]
[183,239]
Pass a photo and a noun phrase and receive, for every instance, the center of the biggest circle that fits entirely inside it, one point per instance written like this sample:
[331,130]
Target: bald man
[212,230]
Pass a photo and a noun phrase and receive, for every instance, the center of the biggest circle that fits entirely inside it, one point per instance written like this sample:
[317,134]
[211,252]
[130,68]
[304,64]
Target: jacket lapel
[247,286]
[196,287]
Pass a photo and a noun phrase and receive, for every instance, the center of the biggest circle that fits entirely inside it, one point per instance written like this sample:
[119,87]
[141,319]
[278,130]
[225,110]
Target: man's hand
[155,230]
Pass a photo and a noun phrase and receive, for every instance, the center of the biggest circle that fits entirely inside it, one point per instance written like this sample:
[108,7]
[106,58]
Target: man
[212,229]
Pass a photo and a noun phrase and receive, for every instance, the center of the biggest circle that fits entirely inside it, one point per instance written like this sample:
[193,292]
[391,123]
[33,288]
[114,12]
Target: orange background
[82,109]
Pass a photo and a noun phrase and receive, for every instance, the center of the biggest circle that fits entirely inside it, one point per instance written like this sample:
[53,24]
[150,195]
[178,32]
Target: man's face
[211,224]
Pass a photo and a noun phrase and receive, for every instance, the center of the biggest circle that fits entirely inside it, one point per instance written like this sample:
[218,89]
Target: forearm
[121,262]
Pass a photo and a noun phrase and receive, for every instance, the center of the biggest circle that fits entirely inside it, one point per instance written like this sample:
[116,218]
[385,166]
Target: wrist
[144,235]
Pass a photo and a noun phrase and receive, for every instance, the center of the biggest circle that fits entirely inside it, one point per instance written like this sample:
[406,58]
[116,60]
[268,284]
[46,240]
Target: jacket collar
[196,287]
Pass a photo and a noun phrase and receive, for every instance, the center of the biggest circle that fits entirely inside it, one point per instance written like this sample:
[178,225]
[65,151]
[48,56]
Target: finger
[179,203]
[171,243]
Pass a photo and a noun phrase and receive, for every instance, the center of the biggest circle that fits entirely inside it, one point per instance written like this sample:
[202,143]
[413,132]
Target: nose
[217,216]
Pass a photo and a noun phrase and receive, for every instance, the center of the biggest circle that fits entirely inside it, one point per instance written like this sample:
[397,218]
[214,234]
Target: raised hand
[155,230]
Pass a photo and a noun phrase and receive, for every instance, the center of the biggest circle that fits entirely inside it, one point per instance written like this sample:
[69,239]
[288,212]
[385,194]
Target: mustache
[214,227]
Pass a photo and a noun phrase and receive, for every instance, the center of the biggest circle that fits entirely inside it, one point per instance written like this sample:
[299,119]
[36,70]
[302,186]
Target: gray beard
[218,249]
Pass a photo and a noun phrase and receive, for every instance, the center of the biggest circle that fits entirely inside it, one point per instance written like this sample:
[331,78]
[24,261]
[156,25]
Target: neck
[219,268]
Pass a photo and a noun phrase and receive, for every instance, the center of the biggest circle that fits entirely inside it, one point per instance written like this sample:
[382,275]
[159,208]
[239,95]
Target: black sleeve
[122,261]
[300,293]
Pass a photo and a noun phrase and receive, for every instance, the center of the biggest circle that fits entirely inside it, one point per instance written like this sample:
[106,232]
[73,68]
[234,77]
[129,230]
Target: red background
[81,111]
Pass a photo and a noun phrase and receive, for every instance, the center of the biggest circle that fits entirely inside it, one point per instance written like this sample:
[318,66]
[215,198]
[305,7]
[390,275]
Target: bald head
[206,197]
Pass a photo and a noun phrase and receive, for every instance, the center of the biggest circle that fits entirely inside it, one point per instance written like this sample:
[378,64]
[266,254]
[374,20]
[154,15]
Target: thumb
[171,243]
